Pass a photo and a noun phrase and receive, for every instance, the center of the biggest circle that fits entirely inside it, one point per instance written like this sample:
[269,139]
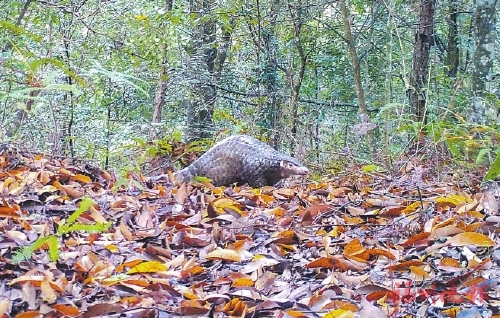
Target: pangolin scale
[242,159]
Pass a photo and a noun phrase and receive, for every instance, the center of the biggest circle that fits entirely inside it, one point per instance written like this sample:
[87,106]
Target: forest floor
[76,242]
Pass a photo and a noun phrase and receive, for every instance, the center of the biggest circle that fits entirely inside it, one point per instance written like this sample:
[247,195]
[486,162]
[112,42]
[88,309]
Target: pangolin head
[289,168]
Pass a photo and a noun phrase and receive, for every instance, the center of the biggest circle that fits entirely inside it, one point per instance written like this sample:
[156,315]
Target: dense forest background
[119,82]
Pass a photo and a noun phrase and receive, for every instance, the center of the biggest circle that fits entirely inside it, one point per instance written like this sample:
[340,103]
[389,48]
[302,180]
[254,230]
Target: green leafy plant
[52,241]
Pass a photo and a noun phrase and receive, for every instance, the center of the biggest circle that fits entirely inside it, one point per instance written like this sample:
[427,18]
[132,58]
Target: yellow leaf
[418,272]
[82,178]
[223,205]
[295,313]
[453,199]
[339,313]
[243,282]
[411,208]
[224,254]
[112,248]
[471,238]
[148,267]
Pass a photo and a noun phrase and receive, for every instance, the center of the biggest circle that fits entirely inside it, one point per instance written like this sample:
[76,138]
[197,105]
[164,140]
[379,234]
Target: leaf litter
[77,242]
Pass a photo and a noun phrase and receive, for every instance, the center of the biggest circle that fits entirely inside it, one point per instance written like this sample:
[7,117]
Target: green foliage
[52,241]
[494,170]
[372,168]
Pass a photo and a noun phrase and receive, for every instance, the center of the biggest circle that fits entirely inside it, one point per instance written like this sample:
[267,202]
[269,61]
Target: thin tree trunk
[485,18]
[21,114]
[453,52]
[296,14]
[423,42]
[360,93]
[273,111]
[207,62]
[161,87]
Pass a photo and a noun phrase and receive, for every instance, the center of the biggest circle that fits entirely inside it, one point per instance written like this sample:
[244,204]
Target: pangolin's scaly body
[243,159]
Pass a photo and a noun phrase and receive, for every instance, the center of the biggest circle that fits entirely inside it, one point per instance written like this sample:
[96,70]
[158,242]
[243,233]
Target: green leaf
[481,154]
[118,77]
[26,252]
[89,228]
[85,204]
[18,30]
[494,171]
[53,244]
[372,168]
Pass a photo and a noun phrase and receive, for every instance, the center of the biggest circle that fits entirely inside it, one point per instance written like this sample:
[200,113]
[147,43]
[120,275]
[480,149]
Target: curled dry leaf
[471,238]
[224,255]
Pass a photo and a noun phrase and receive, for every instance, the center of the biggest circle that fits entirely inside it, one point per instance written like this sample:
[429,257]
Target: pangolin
[242,159]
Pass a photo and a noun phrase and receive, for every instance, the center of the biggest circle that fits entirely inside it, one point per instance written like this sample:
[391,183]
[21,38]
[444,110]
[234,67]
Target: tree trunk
[161,87]
[453,53]
[423,40]
[272,110]
[296,15]
[360,93]
[485,19]
[206,64]
[200,110]
[21,114]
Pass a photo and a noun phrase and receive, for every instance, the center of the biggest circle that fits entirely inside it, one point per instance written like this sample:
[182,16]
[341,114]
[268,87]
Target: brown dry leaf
[235,307]
[9,212]
[405,265]
[383,203]
[339,192]
[368,310]
[36,280]
[356,211]
[447,222]
[341,304]
[180,194]
[30,314]
[351,221]
[66,310]
[283,194]
[48,293]
[103,309]
[5,307]
[392,211]
[225,255]
[315,210]
[376,252]
[471,238]
[74,191]
[286,237]
[384,295]
[82,178]
[354,249]
[449,262]
[446,231]
[191,271]
[265,281]
[421,238]
[466,207]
